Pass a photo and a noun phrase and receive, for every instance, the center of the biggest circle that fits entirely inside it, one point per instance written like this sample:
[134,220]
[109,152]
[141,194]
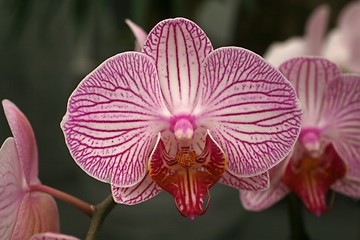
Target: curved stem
[83,206]
[100,213]
[297,226]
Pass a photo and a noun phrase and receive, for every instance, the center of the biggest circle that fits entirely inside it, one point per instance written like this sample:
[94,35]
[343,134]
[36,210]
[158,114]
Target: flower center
[186,159]
[184,133]
[188,176]
[311,177]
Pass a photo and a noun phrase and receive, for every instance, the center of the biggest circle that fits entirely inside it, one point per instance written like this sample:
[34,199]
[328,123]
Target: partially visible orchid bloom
[310,44]
[52,236]
[139,33]
[327,153]
[179,116]
[23,212]
[343,44]
[340,46]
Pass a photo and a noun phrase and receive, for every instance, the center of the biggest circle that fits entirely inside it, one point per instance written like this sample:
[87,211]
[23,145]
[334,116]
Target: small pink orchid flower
[52,236]
[179,116]
[342,45]
[310,44]
[327,153]
[23,212]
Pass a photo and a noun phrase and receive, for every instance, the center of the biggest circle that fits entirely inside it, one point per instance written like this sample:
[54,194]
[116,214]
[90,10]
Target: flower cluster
[176,115]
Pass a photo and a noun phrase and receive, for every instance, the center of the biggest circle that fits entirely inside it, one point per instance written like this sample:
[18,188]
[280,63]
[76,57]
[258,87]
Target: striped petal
[342,112]
[11,187]
[260,200]
[255,183]
[25,140]
[250,108]
[139,33]
[309,76]
[178,47]
[347,187]
[52,236]
[141,192]
[113,117]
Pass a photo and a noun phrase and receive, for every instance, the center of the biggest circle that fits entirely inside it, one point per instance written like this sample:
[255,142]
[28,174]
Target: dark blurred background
[47,47]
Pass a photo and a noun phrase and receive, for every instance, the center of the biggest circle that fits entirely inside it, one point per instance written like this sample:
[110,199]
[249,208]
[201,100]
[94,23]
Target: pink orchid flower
[52,236]
[179,116]
[23,212]
[310,44]
[327,153]
[340,46]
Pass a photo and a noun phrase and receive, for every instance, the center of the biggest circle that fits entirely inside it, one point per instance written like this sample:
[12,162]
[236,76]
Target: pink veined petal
[113,117]
[139,33]
[25,140]
[12,183]
[260,200]
[250,108]
[280,52]
[38,213]
[347,187]
[52,236]
[255,183]
[178,47]
[342,127]
[309,76]
[141,192]
[315,29]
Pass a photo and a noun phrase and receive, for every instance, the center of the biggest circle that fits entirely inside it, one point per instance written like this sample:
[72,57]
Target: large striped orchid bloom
[327,153]
[179,116]
[23,212]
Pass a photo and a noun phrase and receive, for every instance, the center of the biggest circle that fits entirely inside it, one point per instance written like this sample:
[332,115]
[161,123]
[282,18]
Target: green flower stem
[297,226]
[99,215]
[83,206]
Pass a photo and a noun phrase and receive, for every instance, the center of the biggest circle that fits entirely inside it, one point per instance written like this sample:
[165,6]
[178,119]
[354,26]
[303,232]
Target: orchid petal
[112,118]
[315,29]
[11,187]
[141,192]
[255,183]
[25,140]
[260,200]
[178,47]
[52,236]
[280,52]
[349,21]
[250,109]
[139,33]
[38,213]
[347,187]
[343,126]
[309,76]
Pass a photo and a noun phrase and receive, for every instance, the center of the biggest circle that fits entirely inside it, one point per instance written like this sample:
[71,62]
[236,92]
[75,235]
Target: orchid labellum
[23,212]
[179,116]
[327,153]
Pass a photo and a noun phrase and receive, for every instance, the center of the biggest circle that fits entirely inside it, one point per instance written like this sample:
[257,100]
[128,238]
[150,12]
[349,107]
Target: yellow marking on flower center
[186,159]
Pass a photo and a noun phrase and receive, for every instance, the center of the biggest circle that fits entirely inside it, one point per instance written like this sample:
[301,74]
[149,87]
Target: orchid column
[180,116]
